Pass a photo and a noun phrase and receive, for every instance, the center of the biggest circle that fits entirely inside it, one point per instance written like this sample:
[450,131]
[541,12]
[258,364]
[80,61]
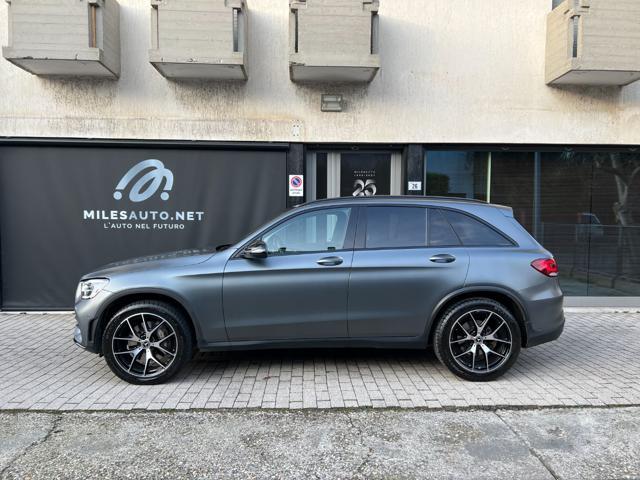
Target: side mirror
[255,250]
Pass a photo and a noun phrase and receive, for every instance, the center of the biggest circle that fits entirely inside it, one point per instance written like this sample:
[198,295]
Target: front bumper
[77,336]
[87,315]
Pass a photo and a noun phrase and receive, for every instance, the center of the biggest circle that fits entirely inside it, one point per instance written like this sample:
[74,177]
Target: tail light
[546,266]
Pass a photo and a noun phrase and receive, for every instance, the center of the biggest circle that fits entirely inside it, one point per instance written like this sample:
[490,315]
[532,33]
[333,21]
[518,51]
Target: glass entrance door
[357,174]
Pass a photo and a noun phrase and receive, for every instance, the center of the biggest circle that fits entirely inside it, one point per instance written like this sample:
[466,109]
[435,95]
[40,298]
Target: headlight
[90,288]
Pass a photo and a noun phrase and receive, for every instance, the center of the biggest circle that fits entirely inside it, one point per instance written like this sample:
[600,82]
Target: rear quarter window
[474,233]
[440,232]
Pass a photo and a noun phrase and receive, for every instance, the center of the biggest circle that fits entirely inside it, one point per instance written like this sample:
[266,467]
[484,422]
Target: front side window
[474,233]
[396,227]
[318,231]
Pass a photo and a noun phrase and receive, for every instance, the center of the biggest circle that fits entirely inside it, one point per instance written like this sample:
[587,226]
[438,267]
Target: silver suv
[391,272]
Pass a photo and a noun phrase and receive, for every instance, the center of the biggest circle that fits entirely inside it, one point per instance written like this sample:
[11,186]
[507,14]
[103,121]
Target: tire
[472,356]
[149,357]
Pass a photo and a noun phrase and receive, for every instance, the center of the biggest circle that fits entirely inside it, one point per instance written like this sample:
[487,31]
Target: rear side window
[473,232]
[440,232]
[396,227]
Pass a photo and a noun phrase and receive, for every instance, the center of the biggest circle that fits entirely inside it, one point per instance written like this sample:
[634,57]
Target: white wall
[452,71]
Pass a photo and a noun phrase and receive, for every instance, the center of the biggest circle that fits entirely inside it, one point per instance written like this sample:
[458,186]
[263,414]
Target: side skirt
[372,342]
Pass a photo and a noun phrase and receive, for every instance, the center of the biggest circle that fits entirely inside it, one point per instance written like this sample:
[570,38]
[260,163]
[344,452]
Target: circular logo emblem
[148,184]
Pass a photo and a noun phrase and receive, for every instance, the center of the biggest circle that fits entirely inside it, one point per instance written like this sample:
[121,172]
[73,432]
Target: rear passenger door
[407,259]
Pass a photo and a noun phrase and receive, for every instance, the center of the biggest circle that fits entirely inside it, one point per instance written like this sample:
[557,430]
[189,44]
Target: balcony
[593,42]
[65,37]
[199,39]
[333,40]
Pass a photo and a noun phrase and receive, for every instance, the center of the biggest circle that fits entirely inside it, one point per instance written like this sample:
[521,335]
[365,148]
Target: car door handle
[443,258]
[330,261]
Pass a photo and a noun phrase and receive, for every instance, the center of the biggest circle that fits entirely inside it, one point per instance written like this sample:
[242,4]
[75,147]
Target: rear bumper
[540,338]
[545,321]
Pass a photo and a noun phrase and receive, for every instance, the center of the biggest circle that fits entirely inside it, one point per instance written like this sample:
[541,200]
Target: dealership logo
[148,184]
[364,188]
[141,182]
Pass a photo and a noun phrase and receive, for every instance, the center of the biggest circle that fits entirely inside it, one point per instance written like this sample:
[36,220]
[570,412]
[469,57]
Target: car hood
[162,260]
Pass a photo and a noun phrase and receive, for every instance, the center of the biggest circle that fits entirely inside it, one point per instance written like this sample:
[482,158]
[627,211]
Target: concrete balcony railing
[333,40]
[593,42]
[65,37]
[204,39]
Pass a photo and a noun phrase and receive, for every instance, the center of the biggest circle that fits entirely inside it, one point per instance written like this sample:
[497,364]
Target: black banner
[65,211]
[365,175]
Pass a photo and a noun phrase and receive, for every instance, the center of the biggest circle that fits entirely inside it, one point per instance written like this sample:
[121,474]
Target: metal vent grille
[238,30]
[575,34]
[375,36]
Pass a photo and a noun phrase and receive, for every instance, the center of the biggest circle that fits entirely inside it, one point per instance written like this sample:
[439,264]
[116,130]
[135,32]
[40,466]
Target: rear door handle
[443,258]
[330,261]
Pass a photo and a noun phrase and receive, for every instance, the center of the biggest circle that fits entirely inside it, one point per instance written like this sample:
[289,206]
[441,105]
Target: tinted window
[389,227]
[440,232]
[472,232]
[319,231]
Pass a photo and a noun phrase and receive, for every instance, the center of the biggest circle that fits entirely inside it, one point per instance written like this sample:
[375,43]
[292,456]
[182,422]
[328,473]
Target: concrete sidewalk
[573,443]
[595,363]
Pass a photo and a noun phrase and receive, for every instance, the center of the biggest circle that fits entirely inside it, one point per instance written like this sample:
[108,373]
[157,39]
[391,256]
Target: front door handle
[442,258]
[330,261]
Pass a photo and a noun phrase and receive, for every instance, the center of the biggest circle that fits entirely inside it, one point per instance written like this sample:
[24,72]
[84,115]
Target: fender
[511,294]
[141,291]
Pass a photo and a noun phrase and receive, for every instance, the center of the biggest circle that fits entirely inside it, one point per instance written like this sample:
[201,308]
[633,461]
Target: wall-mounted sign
[414,186]
[365,175]
[65,211]
[296,185]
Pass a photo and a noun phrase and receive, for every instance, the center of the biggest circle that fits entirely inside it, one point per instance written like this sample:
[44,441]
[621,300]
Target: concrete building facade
[463,71]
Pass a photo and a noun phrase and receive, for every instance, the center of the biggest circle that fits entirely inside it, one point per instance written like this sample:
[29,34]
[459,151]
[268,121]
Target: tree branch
[633,175]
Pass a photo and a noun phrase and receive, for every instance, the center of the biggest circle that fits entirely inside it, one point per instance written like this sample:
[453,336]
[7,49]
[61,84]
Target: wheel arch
[508,299]
[121,301]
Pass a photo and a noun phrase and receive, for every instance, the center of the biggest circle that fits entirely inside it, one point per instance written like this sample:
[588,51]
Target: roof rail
[444,197]
[399,197]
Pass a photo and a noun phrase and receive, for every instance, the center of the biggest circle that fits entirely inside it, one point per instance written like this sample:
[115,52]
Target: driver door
[299,291]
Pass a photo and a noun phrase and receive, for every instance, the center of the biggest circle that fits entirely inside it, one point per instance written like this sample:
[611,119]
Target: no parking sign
[296,185]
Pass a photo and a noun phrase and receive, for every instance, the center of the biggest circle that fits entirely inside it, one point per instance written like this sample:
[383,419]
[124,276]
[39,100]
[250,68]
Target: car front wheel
[147,342]
[478,339]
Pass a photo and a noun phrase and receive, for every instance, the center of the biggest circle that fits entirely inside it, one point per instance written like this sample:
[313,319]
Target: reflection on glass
[565,199]
[512,183]
[457,174]
[582,206]
[320,231]
[610,228]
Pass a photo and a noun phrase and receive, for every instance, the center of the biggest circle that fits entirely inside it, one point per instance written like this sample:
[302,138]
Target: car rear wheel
[147,342]
[478,339]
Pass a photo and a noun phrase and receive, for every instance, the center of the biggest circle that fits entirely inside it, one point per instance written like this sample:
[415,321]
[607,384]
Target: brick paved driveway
[595,362]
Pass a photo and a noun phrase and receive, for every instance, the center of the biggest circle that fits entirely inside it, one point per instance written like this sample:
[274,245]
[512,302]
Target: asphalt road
[575,443]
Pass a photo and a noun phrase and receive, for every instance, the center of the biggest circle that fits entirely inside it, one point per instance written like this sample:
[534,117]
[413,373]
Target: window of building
[582,205]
